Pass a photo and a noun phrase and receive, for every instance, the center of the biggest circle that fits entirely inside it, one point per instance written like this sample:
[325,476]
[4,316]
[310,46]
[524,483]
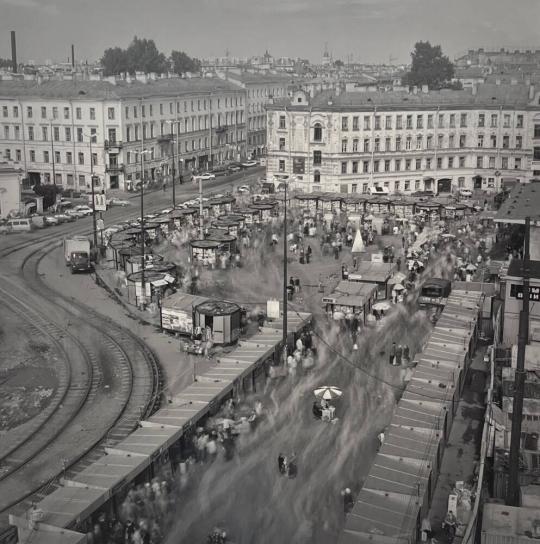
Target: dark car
[220,171]
[234,167]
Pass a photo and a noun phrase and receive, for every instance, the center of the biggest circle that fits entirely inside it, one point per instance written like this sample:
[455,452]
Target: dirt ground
[28,378]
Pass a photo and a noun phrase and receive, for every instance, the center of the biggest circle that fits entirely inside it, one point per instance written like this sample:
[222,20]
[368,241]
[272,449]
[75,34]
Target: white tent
[358,245]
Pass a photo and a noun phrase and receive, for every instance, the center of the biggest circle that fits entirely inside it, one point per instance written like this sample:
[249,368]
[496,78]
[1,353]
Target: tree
[5,63]
[182,63]
[114,61]
[143,56]
[48,192]
[429,67]
[338,63]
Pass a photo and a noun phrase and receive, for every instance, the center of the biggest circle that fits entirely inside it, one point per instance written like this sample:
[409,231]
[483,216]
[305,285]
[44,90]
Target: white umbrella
[358,245]
[448,236]
[338,315]
[398,287]
[382,306]
[471,267]
[398,277]
[328,392]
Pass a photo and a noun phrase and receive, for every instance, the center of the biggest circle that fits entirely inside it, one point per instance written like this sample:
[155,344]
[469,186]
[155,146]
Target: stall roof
[205,244]
[411,443]
[523,201]
[182,301]
[217,307]
[42,536]
[371,272]
[145,441]
[109,471]
[345,287]
[177,414]
[419,414]
[379,514]
[433,391]
[428,371]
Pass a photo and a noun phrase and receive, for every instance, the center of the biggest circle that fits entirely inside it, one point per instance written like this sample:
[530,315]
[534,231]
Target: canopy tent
[358,245]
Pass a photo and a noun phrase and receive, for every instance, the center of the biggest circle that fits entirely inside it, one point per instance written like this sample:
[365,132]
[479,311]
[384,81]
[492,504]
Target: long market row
[63,516]
[398,490]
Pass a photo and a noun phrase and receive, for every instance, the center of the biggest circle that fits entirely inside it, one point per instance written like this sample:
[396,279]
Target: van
[22,224]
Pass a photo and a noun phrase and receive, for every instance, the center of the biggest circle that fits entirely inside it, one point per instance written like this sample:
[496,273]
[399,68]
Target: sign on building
[516,291]
[299,165]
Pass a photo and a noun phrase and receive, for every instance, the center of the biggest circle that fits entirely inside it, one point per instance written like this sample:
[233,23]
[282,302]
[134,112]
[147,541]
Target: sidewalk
[463,448]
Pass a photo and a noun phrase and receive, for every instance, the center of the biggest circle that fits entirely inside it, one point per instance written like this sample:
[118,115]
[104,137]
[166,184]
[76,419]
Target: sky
[369,30]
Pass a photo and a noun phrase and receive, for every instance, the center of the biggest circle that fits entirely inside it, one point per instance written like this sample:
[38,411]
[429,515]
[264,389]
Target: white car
[207,176]
[243,189]
[118,202]
[249,164]
[75,213]
[465,192]
[87,210]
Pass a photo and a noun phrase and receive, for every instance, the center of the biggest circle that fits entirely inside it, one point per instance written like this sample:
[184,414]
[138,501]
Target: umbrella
[449,236]
[398,277]
[358,246]
[328,392]
[381,306]
[398,287]
[471,267]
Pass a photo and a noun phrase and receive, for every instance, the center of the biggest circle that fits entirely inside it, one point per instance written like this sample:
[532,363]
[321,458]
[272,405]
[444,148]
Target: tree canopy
[142,55]
[48,192]
[5,63]
[429,67]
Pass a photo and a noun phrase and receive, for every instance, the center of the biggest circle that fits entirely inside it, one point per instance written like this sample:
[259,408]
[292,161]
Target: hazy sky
[370,30]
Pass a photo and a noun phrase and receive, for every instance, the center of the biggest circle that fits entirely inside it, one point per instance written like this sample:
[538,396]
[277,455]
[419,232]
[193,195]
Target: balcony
[114,169]
[112,144]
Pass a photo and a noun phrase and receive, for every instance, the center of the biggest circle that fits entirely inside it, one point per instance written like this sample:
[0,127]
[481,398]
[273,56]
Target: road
[110,377]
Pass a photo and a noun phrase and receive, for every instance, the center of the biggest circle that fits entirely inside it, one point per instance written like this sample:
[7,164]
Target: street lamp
[92,181]
[173,142]
[143,285]
[52,152]
[285,275]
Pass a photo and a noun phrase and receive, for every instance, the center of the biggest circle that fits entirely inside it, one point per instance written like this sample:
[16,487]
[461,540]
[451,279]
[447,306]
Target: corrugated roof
[523,201]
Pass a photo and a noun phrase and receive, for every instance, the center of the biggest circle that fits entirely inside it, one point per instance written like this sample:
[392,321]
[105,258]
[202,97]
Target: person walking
[348,501]
[406,354]
[392,353]
[399,353]
[282,463]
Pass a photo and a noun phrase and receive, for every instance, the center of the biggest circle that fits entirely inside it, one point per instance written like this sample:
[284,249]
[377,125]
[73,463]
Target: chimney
[73,56]
[14,52]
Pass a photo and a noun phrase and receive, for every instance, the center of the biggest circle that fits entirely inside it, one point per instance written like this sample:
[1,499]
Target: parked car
[249,164]
[4,227]
[50,220]
[20,224]
[207,176]
[118,202]
[220,171]
[87,210]
[234,167]
[74,213]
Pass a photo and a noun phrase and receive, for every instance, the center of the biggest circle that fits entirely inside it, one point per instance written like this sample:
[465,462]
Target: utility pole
[513,497]
[94,226]
[173,172]
[52,154]
[285,276]
[143,286]
[201,219]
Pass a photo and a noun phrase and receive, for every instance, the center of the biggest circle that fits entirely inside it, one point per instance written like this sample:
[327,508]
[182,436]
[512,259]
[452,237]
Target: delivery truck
[77,254]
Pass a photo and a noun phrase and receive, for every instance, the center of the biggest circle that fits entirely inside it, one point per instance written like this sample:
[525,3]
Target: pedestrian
[426,530]
[392,353]
[380,437]
[297,285]
[399,353]
[282,463]
[348,501]
[336,252]
[450,525]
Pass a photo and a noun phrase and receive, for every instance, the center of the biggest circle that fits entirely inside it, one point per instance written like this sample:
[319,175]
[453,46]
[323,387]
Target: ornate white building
[406,141]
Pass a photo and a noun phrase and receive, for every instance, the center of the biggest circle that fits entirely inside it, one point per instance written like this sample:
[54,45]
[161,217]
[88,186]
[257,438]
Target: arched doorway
[444,186]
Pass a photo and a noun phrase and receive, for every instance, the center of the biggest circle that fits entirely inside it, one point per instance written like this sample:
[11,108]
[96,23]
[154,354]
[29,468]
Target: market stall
[377,274]
[182,218]
[250,215]
[404,209]
[221,317]
[377,205]
[134,262]
[230,226]
[205,252]
[156,286]
[329,203]
[115,246]
[309,201]
[177,312]
[351,299]
[430,211]
[354,205]
[266,211]
[227,241]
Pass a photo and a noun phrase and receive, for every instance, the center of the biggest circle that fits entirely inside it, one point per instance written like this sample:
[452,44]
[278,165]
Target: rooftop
[105,90]
[509,521]
[259,79]
[516,269]
[523,201]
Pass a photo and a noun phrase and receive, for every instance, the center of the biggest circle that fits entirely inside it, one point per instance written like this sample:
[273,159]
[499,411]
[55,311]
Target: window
[110,114]
[355,167]
[480,141]
[481,120]
[15,111]
[452,120]
[517,164]
[506,142]
[81,158]
[377,122]
[429,142]
[494,120]
[440,120]
[387,165]
[365,187]
[344,145]
[344,167]
[504,164]
[282,124]
[463,120]
[430,121]
[419,142]
[355,122]
[7,154]
[32,156]
[56,134]
[344,123]
[419,121]
[398,143]
[396,186]
[388,122]
[143,110]
[409,122]
[355,145]
[479,162]
[317,132]
[440,141]
[519,142]
[407,185]
[5,111]
[55,112]
[44,133]
[69,178]
[408,143]
[399,122]
[519,121]
[282,144]
[365,167]
[462,162]
[80,134]
[407,164]
[316,176]
[387,144]
[46,156]
[30,133]
[57,157]
[82,180]
[428,163]
[451,139]
[492,162]
[439,162]
[418,164]
[18,154]
[366,145]
[462,140]
[506,120]
[69,157]
[450,162]
[29,112]
[397,165]
[17,132]
[317,158]
[78,113]
[377,147]
[367,122]
[44,112]
[376,166]
[537,131]
[6,132]
[493,139]
[94,159]
[354,188]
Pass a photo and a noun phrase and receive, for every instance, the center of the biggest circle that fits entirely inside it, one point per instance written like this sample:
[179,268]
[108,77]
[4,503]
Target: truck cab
[80,261]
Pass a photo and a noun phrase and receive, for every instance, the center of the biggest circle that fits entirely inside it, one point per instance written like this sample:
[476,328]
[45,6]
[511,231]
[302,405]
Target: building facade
[10,190]
[406,141]
[62,131]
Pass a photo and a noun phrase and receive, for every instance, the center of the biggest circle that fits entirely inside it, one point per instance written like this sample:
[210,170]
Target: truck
[77,254]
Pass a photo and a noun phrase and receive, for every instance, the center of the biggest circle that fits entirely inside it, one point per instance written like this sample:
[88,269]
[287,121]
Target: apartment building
[478,138]
[63,131]
[260,90]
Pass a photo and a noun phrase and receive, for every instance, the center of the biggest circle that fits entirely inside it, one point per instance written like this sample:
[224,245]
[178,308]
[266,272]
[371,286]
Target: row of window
[192,105]
[59,178]
[47,157]
[409,122]
[266,93]
[53,112]
[65,135]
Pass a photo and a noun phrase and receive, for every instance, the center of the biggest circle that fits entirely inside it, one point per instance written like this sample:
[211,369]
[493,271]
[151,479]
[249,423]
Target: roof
[368,271]
[182,301]
[487,96]
[502,520]
[105,90]
[523,201]
[515,268]
[248,78]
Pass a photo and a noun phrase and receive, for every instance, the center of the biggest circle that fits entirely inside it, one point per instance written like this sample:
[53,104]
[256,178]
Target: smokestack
[13,52]
[73,56]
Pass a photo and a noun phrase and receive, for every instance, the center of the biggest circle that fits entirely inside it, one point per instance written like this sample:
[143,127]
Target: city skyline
[369,30]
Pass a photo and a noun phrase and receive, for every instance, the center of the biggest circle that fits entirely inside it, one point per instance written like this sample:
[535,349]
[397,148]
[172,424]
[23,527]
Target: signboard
[377,258]
[272,309]
[516,291]
[100,202]
[100,224]
[299,165]
[176,320]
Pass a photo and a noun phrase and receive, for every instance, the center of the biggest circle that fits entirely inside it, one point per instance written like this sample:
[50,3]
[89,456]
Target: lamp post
[173,142]
[143,284]
[285,275]
[52,153]
[92,181]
